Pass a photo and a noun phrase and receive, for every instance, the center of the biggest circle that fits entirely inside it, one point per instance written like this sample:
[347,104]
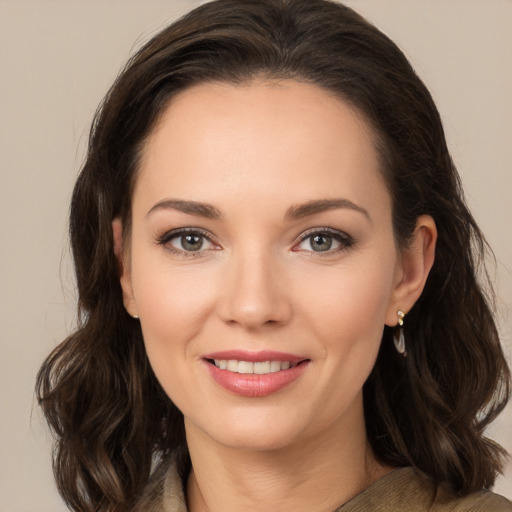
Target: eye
[325,240]
[186,241]
[190,242]
[319,242]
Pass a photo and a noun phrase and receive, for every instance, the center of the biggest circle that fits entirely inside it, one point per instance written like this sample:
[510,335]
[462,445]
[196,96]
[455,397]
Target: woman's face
[262,239]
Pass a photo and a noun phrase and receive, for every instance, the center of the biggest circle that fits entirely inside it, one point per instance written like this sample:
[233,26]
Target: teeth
[275,366]
[245,367]
[259,368]
[262,368]
[232,365]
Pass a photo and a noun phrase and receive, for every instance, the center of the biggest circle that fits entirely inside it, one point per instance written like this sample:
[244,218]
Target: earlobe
[123,266]
[416,260]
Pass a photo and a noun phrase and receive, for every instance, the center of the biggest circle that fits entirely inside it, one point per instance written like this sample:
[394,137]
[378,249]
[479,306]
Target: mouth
[255,374]
[257,367]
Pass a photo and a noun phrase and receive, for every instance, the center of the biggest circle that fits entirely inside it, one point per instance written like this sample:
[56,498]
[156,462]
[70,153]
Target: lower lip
[250,384]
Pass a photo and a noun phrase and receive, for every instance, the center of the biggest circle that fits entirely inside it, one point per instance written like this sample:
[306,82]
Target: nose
[254,292]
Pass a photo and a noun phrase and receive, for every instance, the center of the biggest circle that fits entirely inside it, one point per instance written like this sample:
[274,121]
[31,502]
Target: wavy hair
[111,418]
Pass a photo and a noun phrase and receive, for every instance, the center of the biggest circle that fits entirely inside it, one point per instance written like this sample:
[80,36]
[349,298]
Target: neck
[318,473]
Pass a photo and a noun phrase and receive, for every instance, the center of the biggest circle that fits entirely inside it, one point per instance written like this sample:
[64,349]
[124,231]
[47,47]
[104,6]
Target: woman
[277,278]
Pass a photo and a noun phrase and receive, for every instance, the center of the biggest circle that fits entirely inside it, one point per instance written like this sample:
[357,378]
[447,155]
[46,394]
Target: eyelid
[342,237]
[169,235]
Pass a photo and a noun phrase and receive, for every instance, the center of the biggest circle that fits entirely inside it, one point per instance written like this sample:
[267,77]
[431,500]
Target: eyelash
[345,241]
[165,239]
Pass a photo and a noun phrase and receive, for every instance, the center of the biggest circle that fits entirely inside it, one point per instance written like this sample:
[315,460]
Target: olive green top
[403,489]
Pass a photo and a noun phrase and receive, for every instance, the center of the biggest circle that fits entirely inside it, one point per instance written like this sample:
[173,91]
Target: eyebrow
[322,205]
[293,213]
[190,207]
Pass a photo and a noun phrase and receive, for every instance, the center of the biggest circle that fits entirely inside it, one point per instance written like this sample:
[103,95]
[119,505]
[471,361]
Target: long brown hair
[110,416]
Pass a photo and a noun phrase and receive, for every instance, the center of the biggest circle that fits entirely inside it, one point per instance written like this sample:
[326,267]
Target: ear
[413,267]
[123,265]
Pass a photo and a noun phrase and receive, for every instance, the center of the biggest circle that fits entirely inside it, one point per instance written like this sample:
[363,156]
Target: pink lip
[255,357]
[253,385]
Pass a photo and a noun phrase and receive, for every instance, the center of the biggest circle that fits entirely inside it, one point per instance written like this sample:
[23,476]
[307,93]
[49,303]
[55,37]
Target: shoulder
[484,501]
[408,489]
[151,499]
[164,491]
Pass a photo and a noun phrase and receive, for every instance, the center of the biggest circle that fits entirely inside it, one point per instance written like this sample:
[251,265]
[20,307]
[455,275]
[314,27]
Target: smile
[247,367]
[255,374]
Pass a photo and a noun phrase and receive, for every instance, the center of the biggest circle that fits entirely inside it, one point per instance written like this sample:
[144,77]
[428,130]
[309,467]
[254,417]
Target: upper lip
[255,357]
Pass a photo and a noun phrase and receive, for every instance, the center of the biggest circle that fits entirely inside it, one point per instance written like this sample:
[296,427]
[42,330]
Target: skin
[256,153]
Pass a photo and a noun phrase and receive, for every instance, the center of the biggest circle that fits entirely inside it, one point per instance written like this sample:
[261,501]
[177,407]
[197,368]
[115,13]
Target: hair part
[110,416]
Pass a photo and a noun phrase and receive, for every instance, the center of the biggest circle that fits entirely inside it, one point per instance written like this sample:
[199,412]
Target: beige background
[57,58]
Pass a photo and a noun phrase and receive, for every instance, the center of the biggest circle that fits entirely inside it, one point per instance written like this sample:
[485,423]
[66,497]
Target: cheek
[172,303]
[348,305]
[173,306]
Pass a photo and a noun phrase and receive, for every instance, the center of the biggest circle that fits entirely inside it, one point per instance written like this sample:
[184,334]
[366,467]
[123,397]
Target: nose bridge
[254,292]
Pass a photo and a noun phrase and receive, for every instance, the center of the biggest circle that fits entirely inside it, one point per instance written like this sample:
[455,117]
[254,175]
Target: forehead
[218,139]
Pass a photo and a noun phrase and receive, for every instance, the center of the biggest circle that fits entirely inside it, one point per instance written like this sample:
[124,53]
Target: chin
[250,432]
[256,441]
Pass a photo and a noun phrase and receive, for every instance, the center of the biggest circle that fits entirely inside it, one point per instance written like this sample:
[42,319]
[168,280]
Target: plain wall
[57,59]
